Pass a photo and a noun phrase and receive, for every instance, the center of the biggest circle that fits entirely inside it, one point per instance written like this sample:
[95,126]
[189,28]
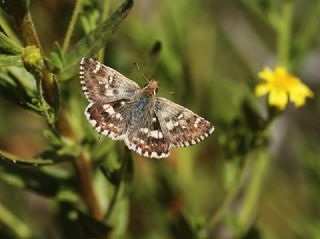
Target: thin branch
[71,26]
[83,170]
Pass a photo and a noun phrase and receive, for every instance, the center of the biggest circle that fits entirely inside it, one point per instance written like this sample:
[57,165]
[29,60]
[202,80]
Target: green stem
[104,15]
[271,17]
[14,223]
[284,33]
[72,24]
[29,36]
[229,199]
[117,189]
[251,198]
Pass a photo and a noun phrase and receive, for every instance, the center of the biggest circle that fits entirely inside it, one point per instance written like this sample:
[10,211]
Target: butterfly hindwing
[110,119]
[104,84]
[180,125]
[148,139]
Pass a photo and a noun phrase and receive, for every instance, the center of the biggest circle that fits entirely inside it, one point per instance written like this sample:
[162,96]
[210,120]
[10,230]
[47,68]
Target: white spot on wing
[169,125]
[108,109]
[97,68]
[211,130]
[154,134]
[118,116]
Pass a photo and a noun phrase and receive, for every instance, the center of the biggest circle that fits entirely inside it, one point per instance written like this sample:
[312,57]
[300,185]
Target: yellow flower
[282,87]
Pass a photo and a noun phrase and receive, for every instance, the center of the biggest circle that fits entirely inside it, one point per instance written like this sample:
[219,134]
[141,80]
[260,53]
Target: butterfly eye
[145,85]
[157,90]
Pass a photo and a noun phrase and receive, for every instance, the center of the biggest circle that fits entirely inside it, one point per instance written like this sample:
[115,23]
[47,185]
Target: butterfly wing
[110,95]
[104,84]
[180,125]
[148,139]
[110,119]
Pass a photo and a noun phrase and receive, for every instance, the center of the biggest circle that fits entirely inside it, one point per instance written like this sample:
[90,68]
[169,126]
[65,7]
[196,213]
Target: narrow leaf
[77,225]
[8,46]
[17,160]
[14,223]
[10,60]
[46,182]
[94,41]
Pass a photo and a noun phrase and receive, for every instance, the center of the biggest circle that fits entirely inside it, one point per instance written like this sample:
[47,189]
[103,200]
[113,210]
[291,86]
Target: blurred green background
[252,178]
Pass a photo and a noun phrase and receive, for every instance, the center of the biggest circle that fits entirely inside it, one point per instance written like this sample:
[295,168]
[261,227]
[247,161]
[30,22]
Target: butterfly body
[148,124]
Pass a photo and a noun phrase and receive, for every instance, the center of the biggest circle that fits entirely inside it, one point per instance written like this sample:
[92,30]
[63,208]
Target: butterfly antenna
[170,92]
[140,71]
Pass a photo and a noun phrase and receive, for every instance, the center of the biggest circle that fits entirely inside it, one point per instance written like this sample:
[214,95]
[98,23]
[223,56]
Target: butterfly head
[152,87]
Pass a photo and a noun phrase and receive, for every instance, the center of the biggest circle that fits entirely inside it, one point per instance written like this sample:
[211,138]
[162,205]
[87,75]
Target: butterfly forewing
[180,125]
[104,84]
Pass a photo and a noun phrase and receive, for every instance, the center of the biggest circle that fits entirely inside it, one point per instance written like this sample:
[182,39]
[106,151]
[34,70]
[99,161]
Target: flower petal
[278,98]
[266,74]
[280,71]
[298,93]
[261,89]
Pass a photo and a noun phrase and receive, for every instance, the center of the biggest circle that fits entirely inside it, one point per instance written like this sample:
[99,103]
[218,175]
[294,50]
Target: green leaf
[56,58]
[58,155]
[94,41]
[66,152]
[52,138]
[8,46]
[14,223]
[29,162]
[120,171]
[181,228]
[36,179]
[252,118]
[77,225]
[16,91]
[10,60]
[89,17]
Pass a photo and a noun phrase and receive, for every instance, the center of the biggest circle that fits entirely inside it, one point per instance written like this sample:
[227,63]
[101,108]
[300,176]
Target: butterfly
[121,110]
